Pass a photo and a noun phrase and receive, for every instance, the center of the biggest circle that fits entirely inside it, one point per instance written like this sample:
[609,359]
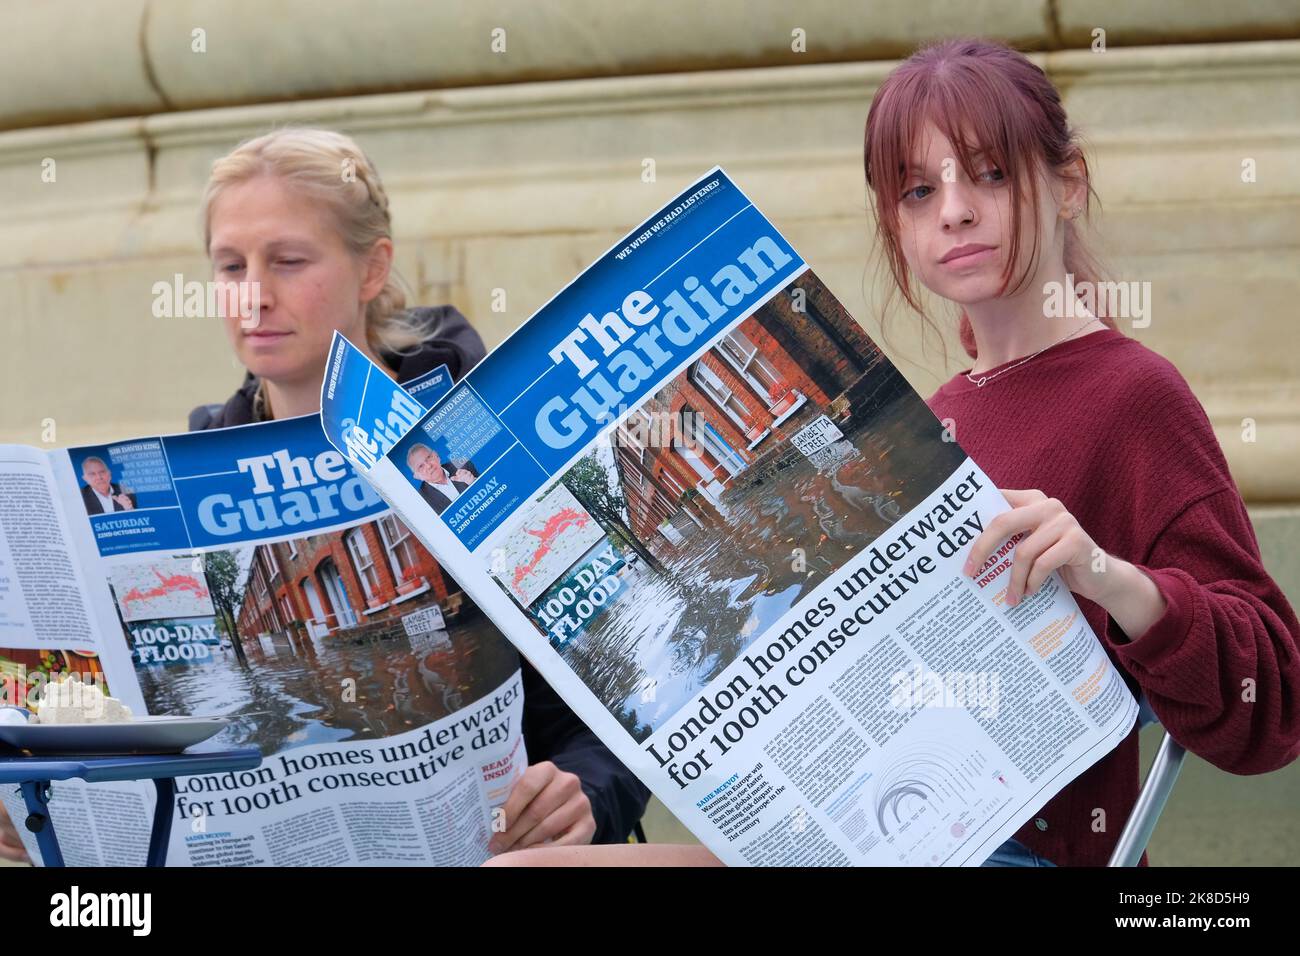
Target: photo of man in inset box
[101,494]
[437,486]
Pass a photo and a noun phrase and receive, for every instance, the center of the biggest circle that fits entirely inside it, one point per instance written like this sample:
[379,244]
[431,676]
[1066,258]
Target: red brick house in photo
[367,576]
[790,362]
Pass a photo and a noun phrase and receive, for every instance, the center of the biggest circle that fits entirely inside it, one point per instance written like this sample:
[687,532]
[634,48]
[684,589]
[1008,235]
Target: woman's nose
[255,294]
[957,206]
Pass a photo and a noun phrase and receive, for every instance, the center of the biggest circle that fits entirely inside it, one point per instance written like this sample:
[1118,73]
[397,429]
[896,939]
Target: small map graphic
[161,588]
[553,534]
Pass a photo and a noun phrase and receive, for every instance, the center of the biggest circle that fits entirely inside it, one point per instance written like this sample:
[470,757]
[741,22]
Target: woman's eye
[291,262]
[908,194]
[994,172]
[232,267]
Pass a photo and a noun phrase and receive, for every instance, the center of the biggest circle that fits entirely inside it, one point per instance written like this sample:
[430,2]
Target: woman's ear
[1072,187]
[378,264]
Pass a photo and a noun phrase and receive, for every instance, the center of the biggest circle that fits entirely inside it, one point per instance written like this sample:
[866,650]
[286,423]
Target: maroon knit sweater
[1113,430]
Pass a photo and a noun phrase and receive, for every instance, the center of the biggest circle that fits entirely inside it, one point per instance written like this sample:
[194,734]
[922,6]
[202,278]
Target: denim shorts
[1015,853]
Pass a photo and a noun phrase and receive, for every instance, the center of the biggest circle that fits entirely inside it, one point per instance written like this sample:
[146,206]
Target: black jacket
[93,507]
[551,730]
[436,499]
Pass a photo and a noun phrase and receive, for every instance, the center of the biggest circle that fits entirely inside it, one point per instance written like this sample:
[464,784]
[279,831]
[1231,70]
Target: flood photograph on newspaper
[348,633]
[721,498]
[721,502]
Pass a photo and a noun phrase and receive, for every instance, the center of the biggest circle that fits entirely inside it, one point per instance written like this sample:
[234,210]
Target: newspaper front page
[696,495]
[249,572]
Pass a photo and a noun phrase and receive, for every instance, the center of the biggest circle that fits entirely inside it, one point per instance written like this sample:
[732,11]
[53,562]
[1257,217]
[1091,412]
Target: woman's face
[308,282]
[941,210]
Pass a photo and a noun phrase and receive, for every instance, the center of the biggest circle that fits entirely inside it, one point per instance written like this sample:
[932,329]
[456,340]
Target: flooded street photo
[293,692]
[719,591]
[724,498]
[349,634]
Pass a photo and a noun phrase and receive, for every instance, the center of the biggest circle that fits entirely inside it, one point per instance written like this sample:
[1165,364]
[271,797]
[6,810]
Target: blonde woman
[303,215]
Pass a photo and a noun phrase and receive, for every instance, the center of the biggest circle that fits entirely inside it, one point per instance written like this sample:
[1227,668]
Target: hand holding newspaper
[726,530]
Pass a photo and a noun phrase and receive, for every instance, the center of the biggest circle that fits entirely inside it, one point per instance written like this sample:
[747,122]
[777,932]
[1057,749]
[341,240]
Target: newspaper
[249,572]
[723,526]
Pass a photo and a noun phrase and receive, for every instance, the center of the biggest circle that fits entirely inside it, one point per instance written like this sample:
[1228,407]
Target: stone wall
[512,170]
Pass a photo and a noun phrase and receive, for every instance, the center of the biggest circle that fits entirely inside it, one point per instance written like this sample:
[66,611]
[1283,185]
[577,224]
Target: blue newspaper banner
[363,412]
[605,342]
[276,478]
[218,487]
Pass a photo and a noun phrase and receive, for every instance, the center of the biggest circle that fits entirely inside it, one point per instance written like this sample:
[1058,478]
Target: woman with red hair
[979,184]
[1113,472]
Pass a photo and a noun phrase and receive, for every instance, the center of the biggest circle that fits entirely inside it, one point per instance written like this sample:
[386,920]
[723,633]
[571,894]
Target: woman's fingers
[1023,517]
[1032,559]
[545,804]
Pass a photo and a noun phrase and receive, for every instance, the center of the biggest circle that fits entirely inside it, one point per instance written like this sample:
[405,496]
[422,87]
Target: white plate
[140,735]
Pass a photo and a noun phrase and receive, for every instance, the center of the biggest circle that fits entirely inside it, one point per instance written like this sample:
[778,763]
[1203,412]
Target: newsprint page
[251,573]
[723,526]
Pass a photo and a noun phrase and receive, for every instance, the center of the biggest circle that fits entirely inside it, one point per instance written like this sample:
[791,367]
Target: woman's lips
[262,337]
[969,259]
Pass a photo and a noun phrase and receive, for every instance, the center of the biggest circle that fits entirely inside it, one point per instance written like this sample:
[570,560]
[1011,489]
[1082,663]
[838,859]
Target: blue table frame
[35,773]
